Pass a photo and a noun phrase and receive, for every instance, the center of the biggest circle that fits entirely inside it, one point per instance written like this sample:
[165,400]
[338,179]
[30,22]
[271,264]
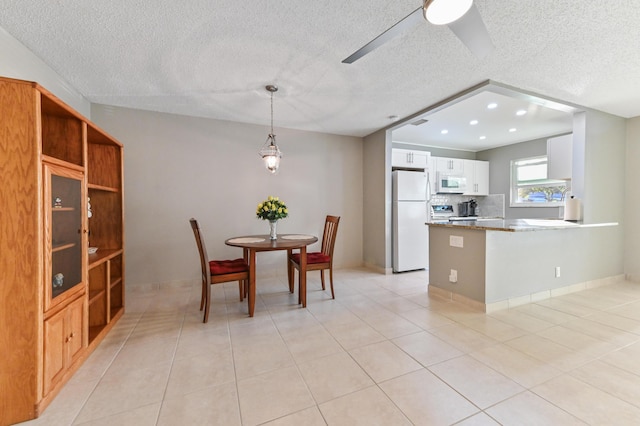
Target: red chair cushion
[221,267]
[315,257]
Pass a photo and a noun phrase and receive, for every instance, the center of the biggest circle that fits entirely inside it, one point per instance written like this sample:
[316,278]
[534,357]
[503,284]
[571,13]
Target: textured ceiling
[213,58]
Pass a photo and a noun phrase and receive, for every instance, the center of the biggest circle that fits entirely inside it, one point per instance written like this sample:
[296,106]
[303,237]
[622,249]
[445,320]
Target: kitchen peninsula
[497,264]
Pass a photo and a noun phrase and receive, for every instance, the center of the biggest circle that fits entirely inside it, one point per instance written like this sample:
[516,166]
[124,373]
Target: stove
[459,218]
[441,212]
[444,213]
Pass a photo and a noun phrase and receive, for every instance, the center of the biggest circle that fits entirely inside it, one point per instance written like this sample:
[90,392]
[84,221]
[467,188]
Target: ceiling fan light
[442,12]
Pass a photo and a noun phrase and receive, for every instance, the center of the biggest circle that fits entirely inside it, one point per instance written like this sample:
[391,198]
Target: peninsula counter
[496,264]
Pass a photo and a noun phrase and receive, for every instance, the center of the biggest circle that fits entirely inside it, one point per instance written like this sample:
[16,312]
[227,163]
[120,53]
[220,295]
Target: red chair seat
[314,257]
[221,267]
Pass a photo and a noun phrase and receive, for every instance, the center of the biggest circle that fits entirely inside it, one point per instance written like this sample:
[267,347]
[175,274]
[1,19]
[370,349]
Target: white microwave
[451,184]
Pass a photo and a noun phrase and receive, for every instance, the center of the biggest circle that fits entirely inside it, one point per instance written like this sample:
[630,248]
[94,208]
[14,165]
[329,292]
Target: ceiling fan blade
[470,29]
[404,24]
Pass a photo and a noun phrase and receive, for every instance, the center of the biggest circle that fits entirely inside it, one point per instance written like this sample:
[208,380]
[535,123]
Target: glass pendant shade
[442,12]
[271,154]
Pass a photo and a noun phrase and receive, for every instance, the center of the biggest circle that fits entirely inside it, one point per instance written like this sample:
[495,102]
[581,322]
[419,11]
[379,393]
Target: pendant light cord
[272,115]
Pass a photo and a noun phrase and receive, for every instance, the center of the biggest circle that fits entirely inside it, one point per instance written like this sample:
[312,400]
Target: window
[530,186]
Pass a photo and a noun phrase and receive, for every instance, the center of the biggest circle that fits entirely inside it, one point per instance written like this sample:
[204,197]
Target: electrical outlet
[557,272]
[456,241]
[453,276]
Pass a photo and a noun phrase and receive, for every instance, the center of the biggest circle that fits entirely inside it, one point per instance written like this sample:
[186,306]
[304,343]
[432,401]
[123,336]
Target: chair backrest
[329,235]
[202,249]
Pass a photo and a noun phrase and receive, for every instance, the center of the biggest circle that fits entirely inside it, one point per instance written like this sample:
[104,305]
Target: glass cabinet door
[64,206]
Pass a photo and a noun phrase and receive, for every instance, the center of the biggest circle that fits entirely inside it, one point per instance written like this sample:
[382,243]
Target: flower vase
[272,229]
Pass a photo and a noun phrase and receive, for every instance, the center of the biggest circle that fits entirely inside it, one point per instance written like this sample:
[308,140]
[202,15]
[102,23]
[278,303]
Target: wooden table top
[264,243]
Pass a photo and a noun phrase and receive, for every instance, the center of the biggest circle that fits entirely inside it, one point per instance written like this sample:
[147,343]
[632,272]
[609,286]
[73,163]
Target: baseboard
[526,299]
[633,278]
[450,295]
[378,269]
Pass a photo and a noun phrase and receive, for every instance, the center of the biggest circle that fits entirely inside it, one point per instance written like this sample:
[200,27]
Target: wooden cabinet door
[75,337]
[65,229]
[63,342]
[54,350]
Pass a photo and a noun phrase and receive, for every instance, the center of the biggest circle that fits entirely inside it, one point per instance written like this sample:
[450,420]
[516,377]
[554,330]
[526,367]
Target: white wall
[500,175]
[178,167]
[377,202]
[632,199]
[16,61]
[604,190]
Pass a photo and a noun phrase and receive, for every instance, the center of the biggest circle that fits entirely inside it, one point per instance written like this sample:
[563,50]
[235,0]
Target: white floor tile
[383,352]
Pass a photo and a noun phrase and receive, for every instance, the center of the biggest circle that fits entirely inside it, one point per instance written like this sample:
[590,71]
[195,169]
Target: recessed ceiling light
[513,129]
[521,112]
[492,105]
[482,138]
[473,122]
[444,131]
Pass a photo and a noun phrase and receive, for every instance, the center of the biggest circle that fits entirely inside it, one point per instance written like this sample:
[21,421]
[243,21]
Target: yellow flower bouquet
[272,209]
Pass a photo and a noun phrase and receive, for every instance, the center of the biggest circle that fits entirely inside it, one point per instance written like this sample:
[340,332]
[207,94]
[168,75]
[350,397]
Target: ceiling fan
[461,16]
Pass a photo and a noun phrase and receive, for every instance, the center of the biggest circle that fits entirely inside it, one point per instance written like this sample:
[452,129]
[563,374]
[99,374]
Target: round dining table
[252,244]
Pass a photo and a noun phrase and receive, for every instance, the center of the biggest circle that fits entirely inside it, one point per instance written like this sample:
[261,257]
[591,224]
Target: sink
[549,222]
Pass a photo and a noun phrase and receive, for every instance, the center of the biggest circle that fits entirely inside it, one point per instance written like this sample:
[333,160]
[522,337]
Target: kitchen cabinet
[432,176]
[477,174]
[452,166]
[51,316]
[559,157]
[409,159]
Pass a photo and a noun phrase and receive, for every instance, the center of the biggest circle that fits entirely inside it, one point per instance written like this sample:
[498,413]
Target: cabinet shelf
[102,255]
[103,188]
[61,247]
[95,295]
[116,282]
[63,209]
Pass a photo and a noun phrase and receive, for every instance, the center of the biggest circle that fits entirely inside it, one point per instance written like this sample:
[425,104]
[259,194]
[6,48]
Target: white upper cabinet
[559,157]
[432,176]
[454,166]
[477,174]
[409,159]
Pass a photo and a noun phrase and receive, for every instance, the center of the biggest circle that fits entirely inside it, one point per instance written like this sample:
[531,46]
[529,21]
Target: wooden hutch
[57,301]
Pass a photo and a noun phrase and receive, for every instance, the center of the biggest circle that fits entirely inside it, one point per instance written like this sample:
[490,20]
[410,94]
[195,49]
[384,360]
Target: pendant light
[442,12]
[270,152]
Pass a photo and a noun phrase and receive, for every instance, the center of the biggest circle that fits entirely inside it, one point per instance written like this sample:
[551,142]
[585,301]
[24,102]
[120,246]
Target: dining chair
[217,271]
[318,261]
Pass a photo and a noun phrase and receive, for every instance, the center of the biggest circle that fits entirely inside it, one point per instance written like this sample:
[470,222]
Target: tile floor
[383,353]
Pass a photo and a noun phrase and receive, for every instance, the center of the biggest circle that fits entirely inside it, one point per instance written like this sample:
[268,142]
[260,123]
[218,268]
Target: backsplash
[488,206]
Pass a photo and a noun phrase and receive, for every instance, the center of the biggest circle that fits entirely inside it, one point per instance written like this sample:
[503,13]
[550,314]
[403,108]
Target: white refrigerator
[411,194]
